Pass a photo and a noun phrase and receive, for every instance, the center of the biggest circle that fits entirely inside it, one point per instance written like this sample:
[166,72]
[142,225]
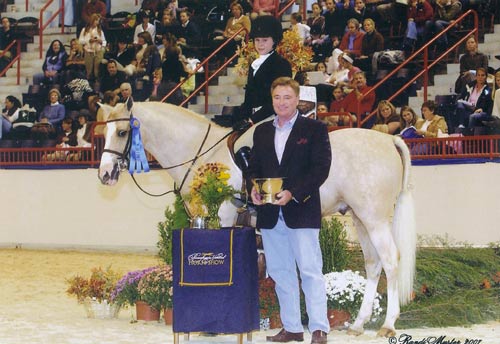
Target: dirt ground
[34,307]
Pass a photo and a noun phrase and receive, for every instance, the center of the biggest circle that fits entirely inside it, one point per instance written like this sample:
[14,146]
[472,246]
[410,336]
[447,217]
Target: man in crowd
[112,78]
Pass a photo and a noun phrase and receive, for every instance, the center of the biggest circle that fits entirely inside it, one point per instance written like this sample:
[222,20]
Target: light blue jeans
[286,249]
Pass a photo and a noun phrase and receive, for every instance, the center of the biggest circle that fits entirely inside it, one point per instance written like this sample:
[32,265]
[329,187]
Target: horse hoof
[386,332]
[353,332]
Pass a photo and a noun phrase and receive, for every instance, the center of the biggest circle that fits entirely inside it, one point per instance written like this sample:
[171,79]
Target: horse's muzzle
[107,178]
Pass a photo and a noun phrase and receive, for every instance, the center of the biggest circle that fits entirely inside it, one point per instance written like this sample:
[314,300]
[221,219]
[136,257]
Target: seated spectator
[125,92]
[346,72]
[316,21]
[168,25]
[53,65]
[322,107]
[123,55]
[475,103]
[83,134]
[67,138]
[353,38]
[302,30]
[321,45]
[419,11]
[162,87]
[332,62]
[54,112]
[446,11]
[111,99]
[408,122]
[469,62]
[150,58]
[337,104]
[75,63]
[357,102]
[173,68]
[236,22]
[189,35]
[334,22]
[372,42]
[6,37]
[144,25]
[358,11]
[433,125]
[169,42]
[10,114]
[263,8]
[112,78]
[387,120]
[93,41]
[189,85]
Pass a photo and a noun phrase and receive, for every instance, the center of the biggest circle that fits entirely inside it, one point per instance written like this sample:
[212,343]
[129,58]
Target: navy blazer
[485,101]
[258,88]
[305,165]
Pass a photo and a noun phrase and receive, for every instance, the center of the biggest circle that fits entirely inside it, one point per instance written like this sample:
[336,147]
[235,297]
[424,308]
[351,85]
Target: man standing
[298,150]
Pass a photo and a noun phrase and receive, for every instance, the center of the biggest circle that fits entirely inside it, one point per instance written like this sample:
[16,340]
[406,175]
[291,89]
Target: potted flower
[345,291]
[269,306]
[126,292]
[208,190]
[95,292]
[155,291]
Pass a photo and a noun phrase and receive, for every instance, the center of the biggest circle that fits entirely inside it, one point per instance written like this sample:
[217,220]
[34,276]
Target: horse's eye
[122,133]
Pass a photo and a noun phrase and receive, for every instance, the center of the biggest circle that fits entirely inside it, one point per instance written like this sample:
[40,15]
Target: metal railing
[14,59]
[426,65]
[43,25]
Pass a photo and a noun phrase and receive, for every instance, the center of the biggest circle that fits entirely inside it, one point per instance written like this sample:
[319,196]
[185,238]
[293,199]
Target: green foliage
[453,287]
[334,246]
[177,218]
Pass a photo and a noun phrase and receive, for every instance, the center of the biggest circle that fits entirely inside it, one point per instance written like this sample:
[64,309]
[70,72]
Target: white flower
[345,290]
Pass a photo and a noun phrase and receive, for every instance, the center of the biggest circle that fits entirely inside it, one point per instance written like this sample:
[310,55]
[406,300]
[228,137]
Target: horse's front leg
[373,268]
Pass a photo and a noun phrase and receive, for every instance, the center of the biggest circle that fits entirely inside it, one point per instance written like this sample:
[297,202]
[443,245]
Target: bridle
[123,157]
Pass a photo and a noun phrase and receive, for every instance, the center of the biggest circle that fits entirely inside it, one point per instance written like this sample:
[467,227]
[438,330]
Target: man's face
[126,92]
[359,80]
[183,17]
[112,69]
[5,23]
[285,102]
[329,5]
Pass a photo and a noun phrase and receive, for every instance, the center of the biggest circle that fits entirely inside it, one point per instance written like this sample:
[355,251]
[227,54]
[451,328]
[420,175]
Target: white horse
[369,176]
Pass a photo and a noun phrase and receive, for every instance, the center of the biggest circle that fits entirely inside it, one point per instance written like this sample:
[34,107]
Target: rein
[123,157]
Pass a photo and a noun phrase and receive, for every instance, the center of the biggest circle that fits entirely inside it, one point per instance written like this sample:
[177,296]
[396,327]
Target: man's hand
[283,198]
[256,197]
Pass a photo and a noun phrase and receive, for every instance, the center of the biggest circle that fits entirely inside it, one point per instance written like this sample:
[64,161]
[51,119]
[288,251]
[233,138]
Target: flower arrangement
[345,291]
[291,48]
[126,290]
[98,286]
[156,287]
[208,190]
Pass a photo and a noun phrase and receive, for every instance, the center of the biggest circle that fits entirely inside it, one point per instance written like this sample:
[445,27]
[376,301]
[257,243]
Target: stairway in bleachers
[444,84]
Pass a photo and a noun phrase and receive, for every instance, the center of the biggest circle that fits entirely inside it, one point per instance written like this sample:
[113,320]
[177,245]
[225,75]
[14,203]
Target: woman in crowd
[54,112]
[496,96]
[353,38]
[75,64]
[53,65]
[469,62]
[316,21]
[93,41]
[144,26]
[372,42]
[238,21]
[408,121]
[168,25]
[475,103]
[10,114]
[387,120]
[433,125]
[150,58]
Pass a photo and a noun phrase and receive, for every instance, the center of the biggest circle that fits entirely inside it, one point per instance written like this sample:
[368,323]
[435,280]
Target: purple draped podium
[215,281]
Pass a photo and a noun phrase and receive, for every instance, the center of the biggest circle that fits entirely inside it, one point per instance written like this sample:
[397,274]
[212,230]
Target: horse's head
[116,133]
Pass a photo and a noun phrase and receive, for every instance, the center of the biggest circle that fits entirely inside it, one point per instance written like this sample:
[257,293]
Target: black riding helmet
[267,26]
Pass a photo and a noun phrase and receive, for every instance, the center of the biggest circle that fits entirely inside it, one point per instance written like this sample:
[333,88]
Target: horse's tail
[404,227]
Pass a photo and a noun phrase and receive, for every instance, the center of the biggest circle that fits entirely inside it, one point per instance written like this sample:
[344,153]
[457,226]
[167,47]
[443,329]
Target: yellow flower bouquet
[291,48]
[208,190]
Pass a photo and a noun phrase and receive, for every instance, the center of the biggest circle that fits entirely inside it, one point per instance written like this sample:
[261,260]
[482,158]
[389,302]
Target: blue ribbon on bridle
[137,158]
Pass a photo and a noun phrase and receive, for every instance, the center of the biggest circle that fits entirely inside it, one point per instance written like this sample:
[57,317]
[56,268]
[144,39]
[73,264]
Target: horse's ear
[130,103]
[104,110]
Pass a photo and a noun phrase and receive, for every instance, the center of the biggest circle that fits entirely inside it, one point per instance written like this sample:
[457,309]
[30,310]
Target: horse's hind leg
[381,239]
[373,268]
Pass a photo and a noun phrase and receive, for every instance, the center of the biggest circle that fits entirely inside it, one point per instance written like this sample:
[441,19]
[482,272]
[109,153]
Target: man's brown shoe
[284,337]
[319,337]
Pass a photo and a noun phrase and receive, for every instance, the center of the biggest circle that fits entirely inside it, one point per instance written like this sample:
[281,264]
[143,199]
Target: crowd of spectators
[149,59]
